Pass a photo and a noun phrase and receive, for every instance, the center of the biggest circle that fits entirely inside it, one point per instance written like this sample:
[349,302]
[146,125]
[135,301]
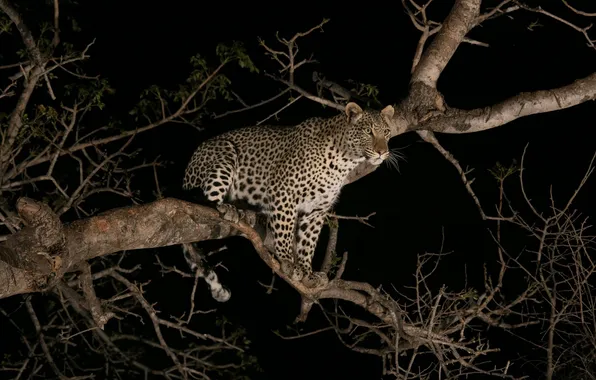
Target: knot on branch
[423,104]
[47,225]
[38,244]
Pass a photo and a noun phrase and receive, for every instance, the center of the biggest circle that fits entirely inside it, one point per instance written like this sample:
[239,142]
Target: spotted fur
[293,174]
[195,261]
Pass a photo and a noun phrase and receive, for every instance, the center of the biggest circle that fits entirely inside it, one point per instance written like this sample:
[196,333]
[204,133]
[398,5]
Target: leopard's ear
[388,112]
[354,112]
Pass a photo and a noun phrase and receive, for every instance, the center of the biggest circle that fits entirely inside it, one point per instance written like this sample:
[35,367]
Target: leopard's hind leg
[213,168]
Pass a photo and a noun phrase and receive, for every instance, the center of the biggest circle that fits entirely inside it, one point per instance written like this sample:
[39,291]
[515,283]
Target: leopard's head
[369,133]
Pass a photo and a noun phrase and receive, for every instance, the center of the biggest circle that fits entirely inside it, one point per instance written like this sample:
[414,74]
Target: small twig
[41,336]
[269,286]
[249,107]
[361,219]
[156,321]
[575,10]
[304,335]
[308,95]
[429,137]
[583,31]
[279,110]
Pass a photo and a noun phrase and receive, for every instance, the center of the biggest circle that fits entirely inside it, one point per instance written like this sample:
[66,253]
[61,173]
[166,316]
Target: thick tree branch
[460,20]
[162,223]
[524,104]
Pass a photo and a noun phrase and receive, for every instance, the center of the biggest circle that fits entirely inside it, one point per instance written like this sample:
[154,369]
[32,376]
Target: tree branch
[457,24]
[162,223]
[524,104]
[15,122]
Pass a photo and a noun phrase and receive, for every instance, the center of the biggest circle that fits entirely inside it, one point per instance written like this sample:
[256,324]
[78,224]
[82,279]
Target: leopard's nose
[380,147]
[382,151]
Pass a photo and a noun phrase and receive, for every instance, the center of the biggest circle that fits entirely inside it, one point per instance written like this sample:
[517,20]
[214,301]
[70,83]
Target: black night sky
[419,208]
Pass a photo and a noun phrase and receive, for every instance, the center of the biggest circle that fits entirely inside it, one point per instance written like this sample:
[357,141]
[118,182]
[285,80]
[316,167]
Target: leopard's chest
[322,189]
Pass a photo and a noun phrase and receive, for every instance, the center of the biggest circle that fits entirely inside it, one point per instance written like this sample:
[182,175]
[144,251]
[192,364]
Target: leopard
[291,174]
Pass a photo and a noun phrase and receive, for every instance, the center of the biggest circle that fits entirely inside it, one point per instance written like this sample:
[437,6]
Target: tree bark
[31,259]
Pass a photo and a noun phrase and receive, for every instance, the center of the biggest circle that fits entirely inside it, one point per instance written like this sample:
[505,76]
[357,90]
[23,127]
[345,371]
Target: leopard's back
[258,157]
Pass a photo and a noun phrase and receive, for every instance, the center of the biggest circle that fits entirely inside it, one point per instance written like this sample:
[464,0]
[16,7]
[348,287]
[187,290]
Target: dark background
[420,208]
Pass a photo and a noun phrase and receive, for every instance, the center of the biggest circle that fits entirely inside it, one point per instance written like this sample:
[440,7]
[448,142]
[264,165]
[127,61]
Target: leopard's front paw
[287,267]
[315,280]
[230,213]
[291,270]
[297,274]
